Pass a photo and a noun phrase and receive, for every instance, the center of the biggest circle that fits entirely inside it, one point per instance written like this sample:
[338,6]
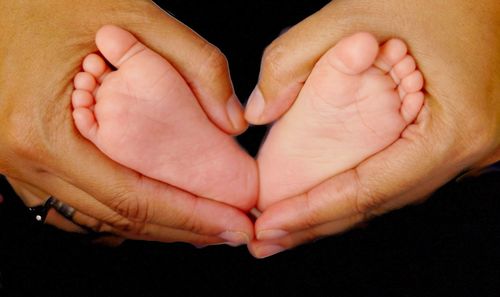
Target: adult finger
[134,200]
[403,173]
[159,208]
[41,146]
[32,197]
[288,61]
[265,248]
[433,150]
[202,65]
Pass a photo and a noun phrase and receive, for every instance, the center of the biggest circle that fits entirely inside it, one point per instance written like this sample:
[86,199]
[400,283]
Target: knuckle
[215,64]
[191,222]
[130,206]
[127,226]
[274,62]
[366,200]
[313,213]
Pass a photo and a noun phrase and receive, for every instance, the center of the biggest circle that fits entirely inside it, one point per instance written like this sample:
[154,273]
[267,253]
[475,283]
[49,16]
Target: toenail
[271,234]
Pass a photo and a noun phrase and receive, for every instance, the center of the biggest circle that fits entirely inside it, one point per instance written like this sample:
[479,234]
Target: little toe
[95,65]
[85,122]
[82,98]
[354,54]
[85,81]
[414,82]
[117,45]
[391,52]
[412,103]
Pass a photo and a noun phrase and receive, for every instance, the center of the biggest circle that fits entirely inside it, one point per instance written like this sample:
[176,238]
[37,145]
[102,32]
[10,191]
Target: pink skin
[144,116]
[358,99]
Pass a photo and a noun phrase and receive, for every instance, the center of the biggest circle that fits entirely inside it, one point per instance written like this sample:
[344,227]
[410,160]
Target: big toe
[354,54]
[117,45]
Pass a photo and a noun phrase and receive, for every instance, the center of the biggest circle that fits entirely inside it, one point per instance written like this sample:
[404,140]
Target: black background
[447,246]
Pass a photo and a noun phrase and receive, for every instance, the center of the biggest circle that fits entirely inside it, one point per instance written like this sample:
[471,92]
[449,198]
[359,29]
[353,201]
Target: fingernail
[271,234]
[269,250]
[235,238]
[235,112]
[255,106]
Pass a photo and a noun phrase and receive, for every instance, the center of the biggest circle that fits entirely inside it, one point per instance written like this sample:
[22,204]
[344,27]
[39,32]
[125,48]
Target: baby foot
[357,101]
[144,116]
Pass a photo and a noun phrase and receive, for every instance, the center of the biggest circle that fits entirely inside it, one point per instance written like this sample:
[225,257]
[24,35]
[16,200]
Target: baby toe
[412,103]
[414,82]
[82,98]
[85,81]
[404,68]
[391,52]
[96,65]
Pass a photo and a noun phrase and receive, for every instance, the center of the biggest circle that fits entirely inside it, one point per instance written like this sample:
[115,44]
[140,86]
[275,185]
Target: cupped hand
[42,47]
[458,128]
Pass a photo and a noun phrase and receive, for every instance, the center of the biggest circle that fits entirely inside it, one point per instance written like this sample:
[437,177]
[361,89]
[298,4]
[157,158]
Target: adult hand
[42,46]
[456,46]
[33,197]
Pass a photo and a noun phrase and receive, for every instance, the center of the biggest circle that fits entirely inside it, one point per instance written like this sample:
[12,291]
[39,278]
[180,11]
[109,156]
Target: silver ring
[65,210]
[40,212]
